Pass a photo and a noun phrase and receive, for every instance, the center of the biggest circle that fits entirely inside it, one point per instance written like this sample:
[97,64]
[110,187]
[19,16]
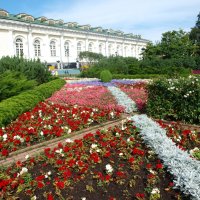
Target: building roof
[23,17]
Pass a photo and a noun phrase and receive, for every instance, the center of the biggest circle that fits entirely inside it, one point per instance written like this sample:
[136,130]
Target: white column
[62,53]
[45,51]
[11,43]
[74,50]
[31,53]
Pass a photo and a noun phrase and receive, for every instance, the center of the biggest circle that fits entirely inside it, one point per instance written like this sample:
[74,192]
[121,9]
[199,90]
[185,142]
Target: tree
[174,44]
[195,35]
[90,57]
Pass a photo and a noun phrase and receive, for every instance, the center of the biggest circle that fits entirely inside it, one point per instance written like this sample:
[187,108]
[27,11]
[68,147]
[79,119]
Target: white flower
[155,191]
[152,172]
[34,198]
[68,140]
[109,168]
[117,134]
[112,114]
[27,156]
[93,146]
[192,151]
[41,133]
[24,170]
[59,151]
[49,173]
[121,154]
[83,198]
[69,131]
[46,176]
[5,136]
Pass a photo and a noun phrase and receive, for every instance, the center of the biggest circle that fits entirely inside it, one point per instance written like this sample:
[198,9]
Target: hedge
[12,107]
[135,76]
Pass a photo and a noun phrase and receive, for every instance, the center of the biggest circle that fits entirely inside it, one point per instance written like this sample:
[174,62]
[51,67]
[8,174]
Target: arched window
[110,50]
[90,47]
[19,47]
[37,48]
[66,48]
[78,48]
[101,49]
[53,48]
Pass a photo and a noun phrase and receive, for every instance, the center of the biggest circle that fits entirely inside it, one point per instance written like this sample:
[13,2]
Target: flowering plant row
[137,92]
[185,169]
[47,121]
[86,95]
[114,164]
[185,139]
[123,99]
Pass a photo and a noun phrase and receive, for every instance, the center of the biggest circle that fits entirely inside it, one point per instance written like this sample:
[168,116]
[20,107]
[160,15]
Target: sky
[148,18]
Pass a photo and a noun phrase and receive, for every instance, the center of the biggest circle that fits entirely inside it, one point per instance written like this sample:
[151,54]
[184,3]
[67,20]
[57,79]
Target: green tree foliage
[90,57]
[13,83]
[174,44]
[195,38]
[32,69]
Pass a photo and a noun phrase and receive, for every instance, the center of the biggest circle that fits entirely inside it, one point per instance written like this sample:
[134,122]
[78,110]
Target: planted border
[12,107]
[179,163]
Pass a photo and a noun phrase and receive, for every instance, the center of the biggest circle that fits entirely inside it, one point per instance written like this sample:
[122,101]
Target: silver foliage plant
[178,162]
[123,99]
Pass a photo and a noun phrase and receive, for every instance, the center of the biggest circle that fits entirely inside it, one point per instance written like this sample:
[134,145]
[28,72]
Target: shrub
[32,69]
[12,107]
[12,83]
[106,76]
[175,99]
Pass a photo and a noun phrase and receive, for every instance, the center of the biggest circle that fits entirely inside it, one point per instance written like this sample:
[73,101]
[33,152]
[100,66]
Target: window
[90,47]
[53,48]
[19,47]
[37,49]
[78,48]
[66,48]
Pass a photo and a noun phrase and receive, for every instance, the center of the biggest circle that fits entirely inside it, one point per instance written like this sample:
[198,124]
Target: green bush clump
[13,83]
[32,69]
[175,99]
[106,76]
[12,107]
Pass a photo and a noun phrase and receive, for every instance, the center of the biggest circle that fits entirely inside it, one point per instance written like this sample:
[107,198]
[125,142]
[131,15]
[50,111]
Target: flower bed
[113,164]
[137,92]
[185,169]
[86,95]
[184,138]
[47,121]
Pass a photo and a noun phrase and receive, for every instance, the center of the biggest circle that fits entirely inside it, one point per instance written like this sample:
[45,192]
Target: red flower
[4,152]
[140,195]
[50,197]
[40,178]
[40,184]
[131,159]
[148,166]
[60,184]
[159,166]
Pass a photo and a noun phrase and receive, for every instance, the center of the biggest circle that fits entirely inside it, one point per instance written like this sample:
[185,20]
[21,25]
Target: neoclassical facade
[54,41]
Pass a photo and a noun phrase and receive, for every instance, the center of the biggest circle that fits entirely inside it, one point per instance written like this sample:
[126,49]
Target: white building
[54,41]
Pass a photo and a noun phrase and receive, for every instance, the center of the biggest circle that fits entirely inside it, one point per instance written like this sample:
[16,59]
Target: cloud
[151,16]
